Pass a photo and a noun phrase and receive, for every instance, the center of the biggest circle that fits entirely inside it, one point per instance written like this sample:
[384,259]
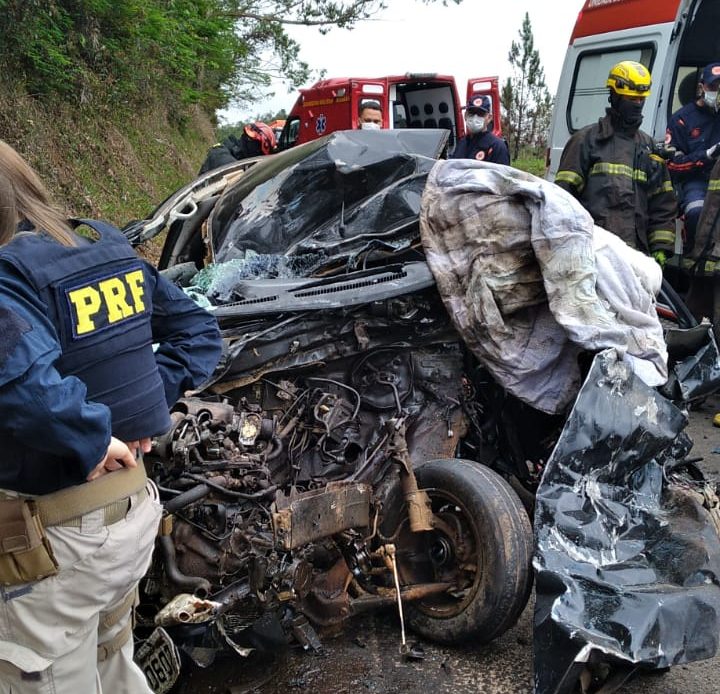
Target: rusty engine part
[272,485]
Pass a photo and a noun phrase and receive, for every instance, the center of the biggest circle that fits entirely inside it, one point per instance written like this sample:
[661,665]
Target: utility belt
[25,551]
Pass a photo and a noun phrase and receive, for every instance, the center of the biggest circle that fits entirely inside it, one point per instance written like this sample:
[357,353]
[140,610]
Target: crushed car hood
[332,197]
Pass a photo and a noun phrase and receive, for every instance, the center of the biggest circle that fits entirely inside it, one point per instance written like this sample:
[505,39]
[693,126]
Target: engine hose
[196,584]
[233,494]
[186,498]
[277,450]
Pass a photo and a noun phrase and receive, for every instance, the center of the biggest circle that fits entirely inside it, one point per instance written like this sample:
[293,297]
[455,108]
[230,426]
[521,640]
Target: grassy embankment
[533,165]
[105,164]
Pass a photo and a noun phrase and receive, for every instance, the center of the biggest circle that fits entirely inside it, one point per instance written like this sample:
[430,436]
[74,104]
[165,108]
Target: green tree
[205,52]
[526,101]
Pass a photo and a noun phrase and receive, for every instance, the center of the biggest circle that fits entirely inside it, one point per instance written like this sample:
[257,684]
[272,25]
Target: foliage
[237,128]
[194,51]
[527,103]
[107,165]
[531,164]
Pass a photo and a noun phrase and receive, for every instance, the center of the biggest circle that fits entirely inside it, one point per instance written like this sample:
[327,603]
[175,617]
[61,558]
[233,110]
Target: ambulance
[413,100]
[673,38]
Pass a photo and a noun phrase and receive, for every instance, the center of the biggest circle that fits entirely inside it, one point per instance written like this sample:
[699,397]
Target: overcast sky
[467,40]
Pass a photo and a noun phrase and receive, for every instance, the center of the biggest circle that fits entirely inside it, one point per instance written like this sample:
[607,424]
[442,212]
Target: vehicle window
[400,119]
[685,86]
[588,95]
[290,133]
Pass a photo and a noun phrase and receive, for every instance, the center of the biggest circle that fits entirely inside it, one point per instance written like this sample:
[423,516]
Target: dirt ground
[366,658]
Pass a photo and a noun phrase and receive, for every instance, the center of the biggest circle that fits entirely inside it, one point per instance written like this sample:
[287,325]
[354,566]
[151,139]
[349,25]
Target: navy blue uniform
[77,324]
[692,130]
[483,147]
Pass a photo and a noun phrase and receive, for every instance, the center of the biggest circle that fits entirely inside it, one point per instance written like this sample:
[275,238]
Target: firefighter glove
[660,257]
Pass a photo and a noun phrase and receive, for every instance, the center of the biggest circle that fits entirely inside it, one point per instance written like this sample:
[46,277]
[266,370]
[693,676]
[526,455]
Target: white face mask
[475,123]
[711,99]
[370,126]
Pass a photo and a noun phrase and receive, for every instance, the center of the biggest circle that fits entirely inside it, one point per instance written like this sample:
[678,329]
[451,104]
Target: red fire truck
[408,101]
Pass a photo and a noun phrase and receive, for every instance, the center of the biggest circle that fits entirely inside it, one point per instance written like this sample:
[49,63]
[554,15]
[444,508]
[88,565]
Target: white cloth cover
[530,281]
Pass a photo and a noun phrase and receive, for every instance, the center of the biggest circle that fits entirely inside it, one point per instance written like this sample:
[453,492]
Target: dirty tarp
[694,363]
[627,560]
[342,195]
[530,282]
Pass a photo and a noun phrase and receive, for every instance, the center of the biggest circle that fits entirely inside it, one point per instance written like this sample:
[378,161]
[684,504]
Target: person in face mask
[480,143]
[370,115]
[694,133]
[612,169]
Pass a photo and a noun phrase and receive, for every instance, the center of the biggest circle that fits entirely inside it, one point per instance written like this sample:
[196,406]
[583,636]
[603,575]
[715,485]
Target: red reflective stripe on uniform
[684,167]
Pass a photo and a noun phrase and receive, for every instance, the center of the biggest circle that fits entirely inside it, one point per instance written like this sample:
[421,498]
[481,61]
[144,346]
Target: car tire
[482,520]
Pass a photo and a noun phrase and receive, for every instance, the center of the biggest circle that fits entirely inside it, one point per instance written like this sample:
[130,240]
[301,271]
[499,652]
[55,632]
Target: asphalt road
[366,658]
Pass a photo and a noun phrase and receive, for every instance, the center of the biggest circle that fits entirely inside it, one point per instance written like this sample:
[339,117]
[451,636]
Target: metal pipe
[407,594]
[230,596]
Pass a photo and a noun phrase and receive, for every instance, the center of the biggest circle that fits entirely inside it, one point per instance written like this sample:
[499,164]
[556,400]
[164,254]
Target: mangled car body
[390,393]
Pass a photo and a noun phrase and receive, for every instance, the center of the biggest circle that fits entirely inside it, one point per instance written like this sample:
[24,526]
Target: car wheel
[482,543]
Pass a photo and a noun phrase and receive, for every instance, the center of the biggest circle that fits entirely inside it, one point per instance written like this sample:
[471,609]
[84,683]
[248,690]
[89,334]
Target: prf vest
[99,298]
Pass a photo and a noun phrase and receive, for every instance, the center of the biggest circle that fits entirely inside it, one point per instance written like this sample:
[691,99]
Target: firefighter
[257,139]
[694,134]
[81,393]
[612,169]
[369,115]
[703,261]
[480,142]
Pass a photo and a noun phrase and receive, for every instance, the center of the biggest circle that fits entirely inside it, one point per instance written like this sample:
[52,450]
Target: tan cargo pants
[63,635]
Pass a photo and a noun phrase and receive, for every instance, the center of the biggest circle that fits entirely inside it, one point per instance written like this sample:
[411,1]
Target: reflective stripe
[694,205]
[570,177]
[714,184]
[706,267]
[661,237]
[666,187]
[618,170]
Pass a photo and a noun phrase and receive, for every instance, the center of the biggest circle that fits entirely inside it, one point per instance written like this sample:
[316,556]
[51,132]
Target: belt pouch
[25,552]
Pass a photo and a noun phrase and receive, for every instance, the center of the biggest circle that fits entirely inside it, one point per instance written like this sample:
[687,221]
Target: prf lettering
[112,299]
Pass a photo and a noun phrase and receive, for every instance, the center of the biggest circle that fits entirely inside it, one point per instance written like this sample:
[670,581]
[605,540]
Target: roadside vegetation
[526,101]
[114,101]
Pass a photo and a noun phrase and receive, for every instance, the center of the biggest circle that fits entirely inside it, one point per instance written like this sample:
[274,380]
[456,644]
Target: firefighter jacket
[230,150]
[76,356]
[625,187]
[704,259]
[484,146]
[692,130]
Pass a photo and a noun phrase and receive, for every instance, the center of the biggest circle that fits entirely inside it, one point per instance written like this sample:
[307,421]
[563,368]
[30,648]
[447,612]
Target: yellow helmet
[629,78]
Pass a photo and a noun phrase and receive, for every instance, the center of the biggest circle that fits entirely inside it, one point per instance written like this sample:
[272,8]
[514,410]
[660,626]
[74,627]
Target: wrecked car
[406,341]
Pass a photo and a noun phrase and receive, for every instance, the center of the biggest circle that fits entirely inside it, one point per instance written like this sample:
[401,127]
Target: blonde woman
[81,393]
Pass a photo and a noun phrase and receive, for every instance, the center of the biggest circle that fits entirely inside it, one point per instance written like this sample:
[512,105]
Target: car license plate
[159,659]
